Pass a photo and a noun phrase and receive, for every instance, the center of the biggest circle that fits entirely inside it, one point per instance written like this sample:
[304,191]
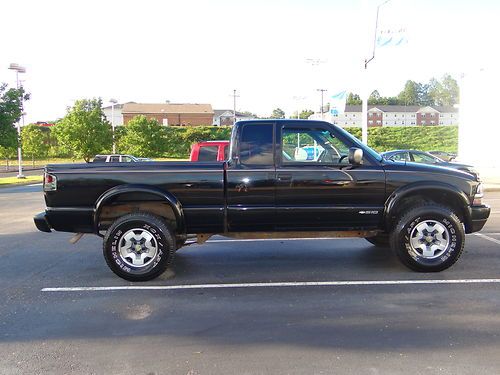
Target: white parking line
[494,240]
[270,285]
[39,184]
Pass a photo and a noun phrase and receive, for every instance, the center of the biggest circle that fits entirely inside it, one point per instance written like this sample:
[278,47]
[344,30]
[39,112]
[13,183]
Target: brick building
[170,114]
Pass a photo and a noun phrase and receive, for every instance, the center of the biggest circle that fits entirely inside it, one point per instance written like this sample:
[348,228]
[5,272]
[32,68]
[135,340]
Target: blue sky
[199,51]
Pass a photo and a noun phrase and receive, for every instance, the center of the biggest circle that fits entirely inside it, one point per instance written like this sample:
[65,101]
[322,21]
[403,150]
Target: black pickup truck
[284,179]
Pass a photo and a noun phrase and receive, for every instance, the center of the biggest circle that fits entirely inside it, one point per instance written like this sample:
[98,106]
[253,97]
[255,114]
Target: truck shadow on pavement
[371,317]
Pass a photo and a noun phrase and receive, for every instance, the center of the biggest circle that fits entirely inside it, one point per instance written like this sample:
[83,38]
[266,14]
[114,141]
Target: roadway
[294,328]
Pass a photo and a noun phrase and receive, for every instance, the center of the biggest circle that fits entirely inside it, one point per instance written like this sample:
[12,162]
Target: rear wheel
[138,246]
[428,238]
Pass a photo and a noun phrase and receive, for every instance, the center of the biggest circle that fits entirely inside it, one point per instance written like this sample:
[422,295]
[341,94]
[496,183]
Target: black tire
[149,229]
[380,240]
[449,243]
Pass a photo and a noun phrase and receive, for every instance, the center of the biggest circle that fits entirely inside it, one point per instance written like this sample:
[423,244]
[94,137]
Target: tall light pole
[321,108]
[298,99]
[113,102]
[364,106]
[234,105]
[19,69]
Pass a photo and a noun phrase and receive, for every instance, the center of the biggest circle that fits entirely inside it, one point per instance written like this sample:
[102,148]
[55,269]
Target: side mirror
[355,156]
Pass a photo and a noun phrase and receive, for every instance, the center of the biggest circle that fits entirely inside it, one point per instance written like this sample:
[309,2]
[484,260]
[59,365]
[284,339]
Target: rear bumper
[479,215]
[41,222]
[65,219]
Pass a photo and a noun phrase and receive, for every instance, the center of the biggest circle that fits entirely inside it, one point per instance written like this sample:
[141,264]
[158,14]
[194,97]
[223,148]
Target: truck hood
[427,168]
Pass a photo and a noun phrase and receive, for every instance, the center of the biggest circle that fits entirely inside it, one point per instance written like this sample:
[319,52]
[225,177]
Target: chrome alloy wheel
[429,239]
[138,247]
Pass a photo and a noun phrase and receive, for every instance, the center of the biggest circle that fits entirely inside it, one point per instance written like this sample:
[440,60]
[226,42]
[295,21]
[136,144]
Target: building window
[379,122]
[370,121]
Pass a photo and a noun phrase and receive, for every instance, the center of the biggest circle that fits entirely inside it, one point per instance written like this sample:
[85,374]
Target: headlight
[478,197]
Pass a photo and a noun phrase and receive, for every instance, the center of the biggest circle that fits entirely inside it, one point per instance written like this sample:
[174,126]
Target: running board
[203,237]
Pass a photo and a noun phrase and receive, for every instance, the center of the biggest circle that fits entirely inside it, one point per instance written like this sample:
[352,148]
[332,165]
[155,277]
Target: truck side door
[317,188]
[251,179]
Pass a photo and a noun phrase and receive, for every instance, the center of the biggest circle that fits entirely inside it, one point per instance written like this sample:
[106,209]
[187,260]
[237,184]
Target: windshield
[359,144]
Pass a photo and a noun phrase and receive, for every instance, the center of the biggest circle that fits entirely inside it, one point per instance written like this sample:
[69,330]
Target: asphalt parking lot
[333,306]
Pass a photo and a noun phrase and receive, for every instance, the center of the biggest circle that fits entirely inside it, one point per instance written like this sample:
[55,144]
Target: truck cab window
[312,146]
[256,146]
[208,153]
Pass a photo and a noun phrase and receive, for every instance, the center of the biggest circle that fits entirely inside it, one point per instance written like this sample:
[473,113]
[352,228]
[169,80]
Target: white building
[225,117]
[393,115]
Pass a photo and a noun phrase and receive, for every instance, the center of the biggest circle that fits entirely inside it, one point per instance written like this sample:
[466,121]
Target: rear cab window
[256,146]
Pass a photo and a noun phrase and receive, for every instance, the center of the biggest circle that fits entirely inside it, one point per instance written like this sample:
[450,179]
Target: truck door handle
[284,177]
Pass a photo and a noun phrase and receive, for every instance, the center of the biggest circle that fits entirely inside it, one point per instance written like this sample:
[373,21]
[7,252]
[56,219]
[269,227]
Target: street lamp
[19,69]
[298,99]
[321,109]
[113,102]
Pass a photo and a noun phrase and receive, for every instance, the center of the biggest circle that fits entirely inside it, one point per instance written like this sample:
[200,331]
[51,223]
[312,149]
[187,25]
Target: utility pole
[234,105]
[321,108]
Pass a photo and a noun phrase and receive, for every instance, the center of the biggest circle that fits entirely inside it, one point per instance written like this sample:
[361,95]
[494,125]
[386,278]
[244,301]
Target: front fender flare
[135,188]
[417,187]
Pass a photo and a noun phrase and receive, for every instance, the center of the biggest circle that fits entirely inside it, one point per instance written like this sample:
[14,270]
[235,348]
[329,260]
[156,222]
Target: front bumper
[41,222]
[479,215]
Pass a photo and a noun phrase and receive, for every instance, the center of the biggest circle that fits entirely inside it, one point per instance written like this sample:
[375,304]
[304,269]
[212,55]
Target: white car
[114,158]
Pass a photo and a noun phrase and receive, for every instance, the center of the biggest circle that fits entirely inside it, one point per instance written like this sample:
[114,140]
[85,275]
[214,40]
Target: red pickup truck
[210,151]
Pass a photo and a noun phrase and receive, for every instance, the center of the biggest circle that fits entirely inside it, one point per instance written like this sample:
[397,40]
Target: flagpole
[366,94]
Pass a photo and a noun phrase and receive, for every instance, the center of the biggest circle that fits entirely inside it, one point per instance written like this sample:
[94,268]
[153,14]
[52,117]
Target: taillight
[49,182]
[478,197]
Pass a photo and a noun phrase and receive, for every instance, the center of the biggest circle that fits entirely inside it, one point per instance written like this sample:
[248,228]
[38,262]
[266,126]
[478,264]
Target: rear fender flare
[124,189]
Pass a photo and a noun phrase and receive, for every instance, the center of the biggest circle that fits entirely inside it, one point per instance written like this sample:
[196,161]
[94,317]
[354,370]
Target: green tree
[353,99]
[304,114]
[249,114]
[410,94]
[278,113]
[84,131]
[142,137]
[444,92]
[10,113]
[375,99]
[35,142]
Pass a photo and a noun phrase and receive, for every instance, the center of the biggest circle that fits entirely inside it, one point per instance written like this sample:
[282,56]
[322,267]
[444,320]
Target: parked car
[144,159]
[115,158]
[210,151]
[443,155]
[426,158]
[146,211]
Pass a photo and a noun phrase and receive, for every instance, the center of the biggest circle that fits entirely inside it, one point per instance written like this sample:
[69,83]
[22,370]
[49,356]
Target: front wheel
[428,238]
[138,246]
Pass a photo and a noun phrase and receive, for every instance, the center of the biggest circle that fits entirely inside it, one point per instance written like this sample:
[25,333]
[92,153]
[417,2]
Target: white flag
[337,103]
[392,37]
